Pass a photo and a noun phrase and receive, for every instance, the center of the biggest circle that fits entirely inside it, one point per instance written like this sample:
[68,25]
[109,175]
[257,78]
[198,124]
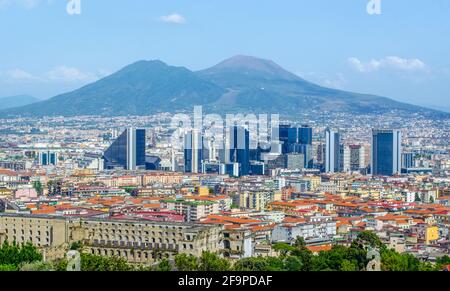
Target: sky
[402,53]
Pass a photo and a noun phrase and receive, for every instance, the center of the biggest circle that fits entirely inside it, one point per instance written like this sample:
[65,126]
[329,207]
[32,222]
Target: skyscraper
[386,152]
[288,136]
[193,152]
[48,158]
[238,148]
[332,151]
[127,151]
[305,135]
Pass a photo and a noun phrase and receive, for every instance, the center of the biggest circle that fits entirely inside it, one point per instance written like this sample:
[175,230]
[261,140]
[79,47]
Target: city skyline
[396,54]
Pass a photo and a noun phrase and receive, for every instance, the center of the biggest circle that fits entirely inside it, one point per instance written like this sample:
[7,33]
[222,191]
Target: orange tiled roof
[316,249]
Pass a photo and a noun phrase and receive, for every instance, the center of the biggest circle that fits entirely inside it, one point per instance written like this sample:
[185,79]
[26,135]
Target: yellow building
[431,234]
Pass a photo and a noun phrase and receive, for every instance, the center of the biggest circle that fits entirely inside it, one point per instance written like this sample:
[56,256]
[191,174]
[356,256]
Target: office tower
[127,151]
[344,158]
[288,137]
[332,151]
[295,161]
[193,152]
[357,157]
[47,158]
[407,160]
[237,149]
[257,168]
[386,152]
[320,153]
[352,158]
[305,135]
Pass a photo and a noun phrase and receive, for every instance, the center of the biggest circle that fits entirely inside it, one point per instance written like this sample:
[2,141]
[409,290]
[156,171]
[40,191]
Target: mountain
[239,84]
[261,84]
[16,101]
[140,88]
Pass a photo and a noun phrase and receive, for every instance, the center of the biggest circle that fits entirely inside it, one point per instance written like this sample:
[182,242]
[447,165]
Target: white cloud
[18,74]
[69,74]
[173,18]
[335,81]
[391,62]
[59,74]
[27,4]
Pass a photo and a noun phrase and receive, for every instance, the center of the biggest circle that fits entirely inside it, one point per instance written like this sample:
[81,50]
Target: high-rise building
[237,149]
[47,158]
[386,152]
[407,160]
[127,151]
[352,158]
[193,152]
[295,161]
[332,151]
[288,137]
[305,134]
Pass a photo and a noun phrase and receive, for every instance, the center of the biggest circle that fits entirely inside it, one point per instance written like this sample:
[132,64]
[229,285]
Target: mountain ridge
[16,101]
[241,83]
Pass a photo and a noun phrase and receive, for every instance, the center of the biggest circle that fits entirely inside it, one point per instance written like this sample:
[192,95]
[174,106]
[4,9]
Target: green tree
[76,246]
[212,262]
[260,264]
[393,261]
[417,199]
[4,268]
[293,263]
[184,263]
[91,262]
[16,255]
[348,266]
[38,267]
[164,266]
[37,185]
[368,239]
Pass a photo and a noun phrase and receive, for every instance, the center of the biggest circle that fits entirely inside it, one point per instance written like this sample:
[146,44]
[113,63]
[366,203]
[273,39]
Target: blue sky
[404,53]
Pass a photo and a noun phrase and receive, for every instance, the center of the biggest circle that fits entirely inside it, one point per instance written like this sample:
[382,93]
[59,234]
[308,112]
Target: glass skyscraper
[238,148]
[193,152]
[305,134]
[332,151]
[386,152]
[127,151]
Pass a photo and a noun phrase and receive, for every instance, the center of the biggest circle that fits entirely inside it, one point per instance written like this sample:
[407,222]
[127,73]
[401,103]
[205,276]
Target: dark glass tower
[238,148]
[386,152]
[127,151]
[193,152]
[305,134]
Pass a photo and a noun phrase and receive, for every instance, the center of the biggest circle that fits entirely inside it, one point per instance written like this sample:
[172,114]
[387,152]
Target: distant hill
[241,83]
[16,101]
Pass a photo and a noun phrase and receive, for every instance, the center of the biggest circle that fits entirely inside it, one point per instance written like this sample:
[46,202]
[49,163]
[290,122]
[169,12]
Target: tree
[260,264]
[185,263]
[368,239]
[4,268]
[164,266]
[393,261]
[212,262]
[417,199]
[348,266]
[283,248]
[37,185]
[293,263]
[38,267]
[76,246]
[91,262]
[17,255]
